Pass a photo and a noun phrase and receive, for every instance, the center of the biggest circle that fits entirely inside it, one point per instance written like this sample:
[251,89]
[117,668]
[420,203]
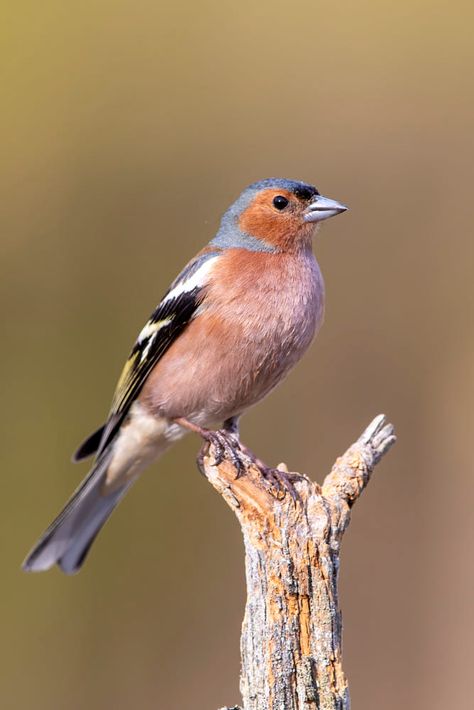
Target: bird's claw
[225,446]
[282,481]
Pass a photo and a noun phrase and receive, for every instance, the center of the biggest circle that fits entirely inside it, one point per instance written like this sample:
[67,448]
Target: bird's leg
[231,430]
[231,425]
[280,479]
[225,442]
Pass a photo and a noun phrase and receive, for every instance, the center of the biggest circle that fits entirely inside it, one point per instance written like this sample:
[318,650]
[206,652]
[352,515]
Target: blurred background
[127,129]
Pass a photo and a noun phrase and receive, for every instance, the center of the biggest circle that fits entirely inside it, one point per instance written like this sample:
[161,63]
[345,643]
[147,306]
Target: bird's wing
[177,308]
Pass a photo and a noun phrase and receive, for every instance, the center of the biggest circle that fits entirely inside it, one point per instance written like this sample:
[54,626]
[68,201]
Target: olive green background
[127,128]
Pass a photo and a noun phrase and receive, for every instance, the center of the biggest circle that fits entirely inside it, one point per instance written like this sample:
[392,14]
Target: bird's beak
[322,208]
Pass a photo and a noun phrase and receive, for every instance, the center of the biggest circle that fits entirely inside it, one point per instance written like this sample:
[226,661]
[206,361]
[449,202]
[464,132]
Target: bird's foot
[281,481]
[225,444]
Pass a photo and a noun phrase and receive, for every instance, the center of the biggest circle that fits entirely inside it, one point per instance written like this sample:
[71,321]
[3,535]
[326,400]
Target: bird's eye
[280,202]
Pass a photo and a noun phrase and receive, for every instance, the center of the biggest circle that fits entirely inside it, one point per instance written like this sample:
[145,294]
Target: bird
[230,327]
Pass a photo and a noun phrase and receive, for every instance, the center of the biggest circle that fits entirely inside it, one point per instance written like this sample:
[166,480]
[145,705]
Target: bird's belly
[258,364]
[219,367]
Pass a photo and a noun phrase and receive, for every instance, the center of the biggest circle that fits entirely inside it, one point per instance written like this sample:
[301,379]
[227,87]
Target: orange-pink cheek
[273,228]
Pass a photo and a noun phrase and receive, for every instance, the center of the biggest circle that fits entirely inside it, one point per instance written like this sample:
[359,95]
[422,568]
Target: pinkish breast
[259,316]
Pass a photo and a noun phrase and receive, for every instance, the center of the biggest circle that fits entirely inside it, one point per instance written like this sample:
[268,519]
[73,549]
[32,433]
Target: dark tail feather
[67,540]
[89,446]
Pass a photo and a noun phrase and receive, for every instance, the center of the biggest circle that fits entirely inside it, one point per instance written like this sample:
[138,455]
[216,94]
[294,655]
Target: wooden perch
[292,629]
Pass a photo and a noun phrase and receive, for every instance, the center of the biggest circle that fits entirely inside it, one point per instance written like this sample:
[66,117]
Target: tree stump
[291,643]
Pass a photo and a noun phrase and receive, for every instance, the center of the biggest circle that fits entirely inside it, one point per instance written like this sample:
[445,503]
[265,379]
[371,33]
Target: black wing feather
[89,446]
[171,317]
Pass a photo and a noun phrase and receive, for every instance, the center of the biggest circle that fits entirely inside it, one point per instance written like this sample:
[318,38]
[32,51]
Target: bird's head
[280,214]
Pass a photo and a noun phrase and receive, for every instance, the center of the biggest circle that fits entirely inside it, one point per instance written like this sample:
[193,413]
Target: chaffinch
[230,327]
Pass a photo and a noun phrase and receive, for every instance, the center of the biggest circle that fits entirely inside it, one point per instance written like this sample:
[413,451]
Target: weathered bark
[291,642]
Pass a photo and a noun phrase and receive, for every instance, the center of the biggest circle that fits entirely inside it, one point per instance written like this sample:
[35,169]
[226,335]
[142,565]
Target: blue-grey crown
[283,184]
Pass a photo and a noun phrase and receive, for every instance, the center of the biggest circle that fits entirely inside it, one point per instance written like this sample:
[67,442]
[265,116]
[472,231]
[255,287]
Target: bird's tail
[67,540]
